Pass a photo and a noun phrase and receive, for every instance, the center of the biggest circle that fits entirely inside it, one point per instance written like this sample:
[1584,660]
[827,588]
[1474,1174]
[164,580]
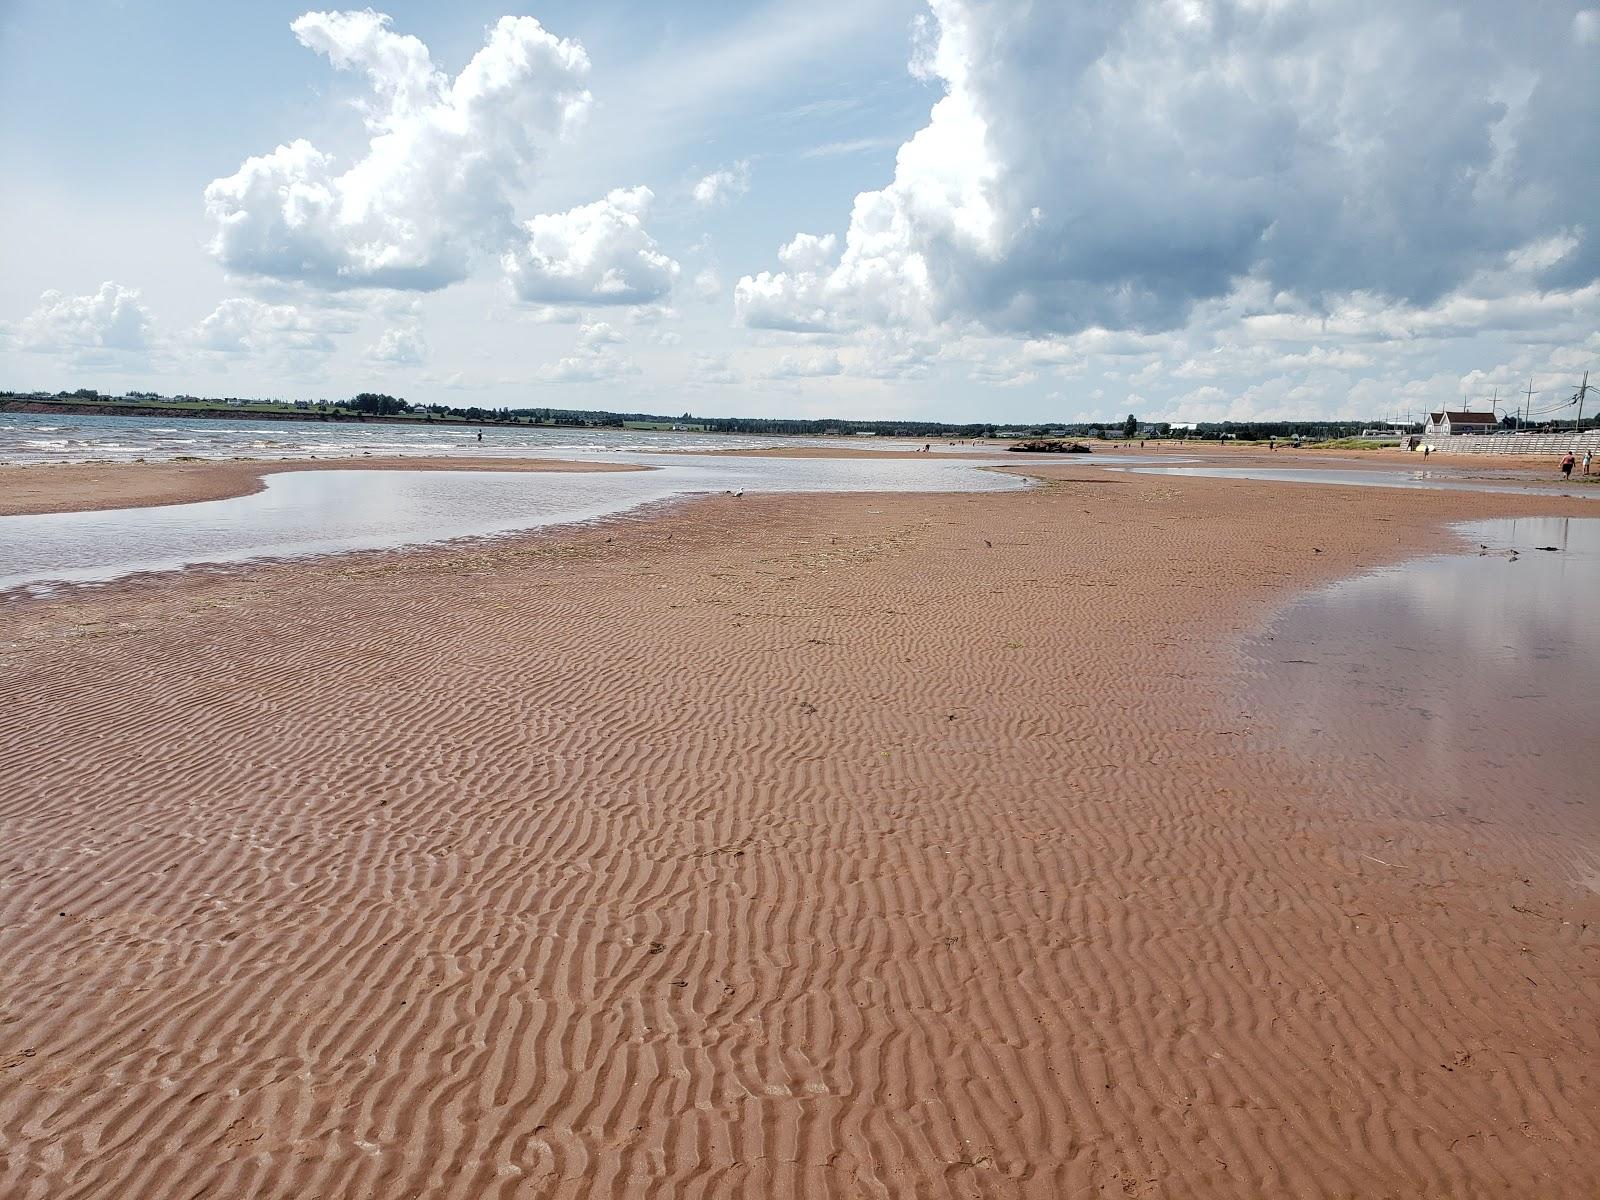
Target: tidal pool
[1358,478]
[1472,679]
[328,512]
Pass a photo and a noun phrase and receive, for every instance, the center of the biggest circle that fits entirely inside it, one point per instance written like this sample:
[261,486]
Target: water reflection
[1431,480]
[324,512]
[1474,675]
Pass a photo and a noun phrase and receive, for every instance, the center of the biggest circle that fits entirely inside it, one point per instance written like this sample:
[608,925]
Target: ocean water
[36,438]
[303,513]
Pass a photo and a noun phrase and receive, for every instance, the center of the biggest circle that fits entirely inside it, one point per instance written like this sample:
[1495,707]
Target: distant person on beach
[1567,463]
[480,435]
[1588,456]
[1427,450]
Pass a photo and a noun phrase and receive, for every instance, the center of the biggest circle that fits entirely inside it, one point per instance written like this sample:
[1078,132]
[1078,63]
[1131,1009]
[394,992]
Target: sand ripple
[805,847]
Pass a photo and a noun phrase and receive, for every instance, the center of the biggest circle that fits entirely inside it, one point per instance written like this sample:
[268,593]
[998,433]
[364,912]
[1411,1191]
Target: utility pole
[1582,391]
[1530,394]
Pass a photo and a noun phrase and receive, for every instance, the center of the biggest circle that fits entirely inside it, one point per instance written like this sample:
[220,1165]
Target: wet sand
[96,487]
[983,450]
[1462,688]
[86,487]
[905,845]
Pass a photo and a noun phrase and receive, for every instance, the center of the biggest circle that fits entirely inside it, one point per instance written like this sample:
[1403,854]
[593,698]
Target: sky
[999,210]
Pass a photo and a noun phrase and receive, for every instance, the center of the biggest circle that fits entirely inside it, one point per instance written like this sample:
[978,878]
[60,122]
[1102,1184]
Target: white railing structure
[1530,444]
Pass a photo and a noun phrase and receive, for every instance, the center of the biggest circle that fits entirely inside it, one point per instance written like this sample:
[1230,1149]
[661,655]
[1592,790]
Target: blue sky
[1190,209]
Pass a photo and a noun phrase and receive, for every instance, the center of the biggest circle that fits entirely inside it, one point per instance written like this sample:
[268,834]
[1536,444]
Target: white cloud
[801,299]
[848,146]
[553,314]
[1324,150]
[806,366]
[714,369]
[245,326]
[109,323]
[723,185]
[707,284]
[595,358]
[433,190]
[401,345]
[599,333]
[594,254]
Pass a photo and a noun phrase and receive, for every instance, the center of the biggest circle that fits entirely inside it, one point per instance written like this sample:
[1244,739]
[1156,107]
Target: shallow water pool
[1432,480]
[327,512]
[1473,678]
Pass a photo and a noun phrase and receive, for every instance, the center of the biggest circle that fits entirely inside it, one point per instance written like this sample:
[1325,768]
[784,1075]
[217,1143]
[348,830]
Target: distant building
[1447,422]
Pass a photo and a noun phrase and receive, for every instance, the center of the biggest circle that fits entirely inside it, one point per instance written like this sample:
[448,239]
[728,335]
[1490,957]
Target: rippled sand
[791,846]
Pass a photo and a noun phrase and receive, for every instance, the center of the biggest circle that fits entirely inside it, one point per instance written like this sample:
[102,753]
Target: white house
[1447,422]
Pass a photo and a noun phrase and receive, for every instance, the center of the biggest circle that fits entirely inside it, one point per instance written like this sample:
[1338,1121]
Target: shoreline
[34,407]
[37,488]
[859,836]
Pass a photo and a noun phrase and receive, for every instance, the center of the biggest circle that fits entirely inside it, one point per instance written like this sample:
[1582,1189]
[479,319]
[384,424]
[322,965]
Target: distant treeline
[380,405]
[835,426]
[819,427]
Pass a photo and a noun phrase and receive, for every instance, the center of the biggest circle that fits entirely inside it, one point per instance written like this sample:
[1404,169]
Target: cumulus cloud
[399,345]
[806,366]
[723,185]
[1320,149]
[805,297]
[713,369]
[433,189]
[109,323]
[594,254]
[245,326]
[596,358]
[707,283]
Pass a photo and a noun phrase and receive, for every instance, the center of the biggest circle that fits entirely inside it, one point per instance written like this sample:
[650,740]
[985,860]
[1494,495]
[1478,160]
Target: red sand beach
[911,845]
